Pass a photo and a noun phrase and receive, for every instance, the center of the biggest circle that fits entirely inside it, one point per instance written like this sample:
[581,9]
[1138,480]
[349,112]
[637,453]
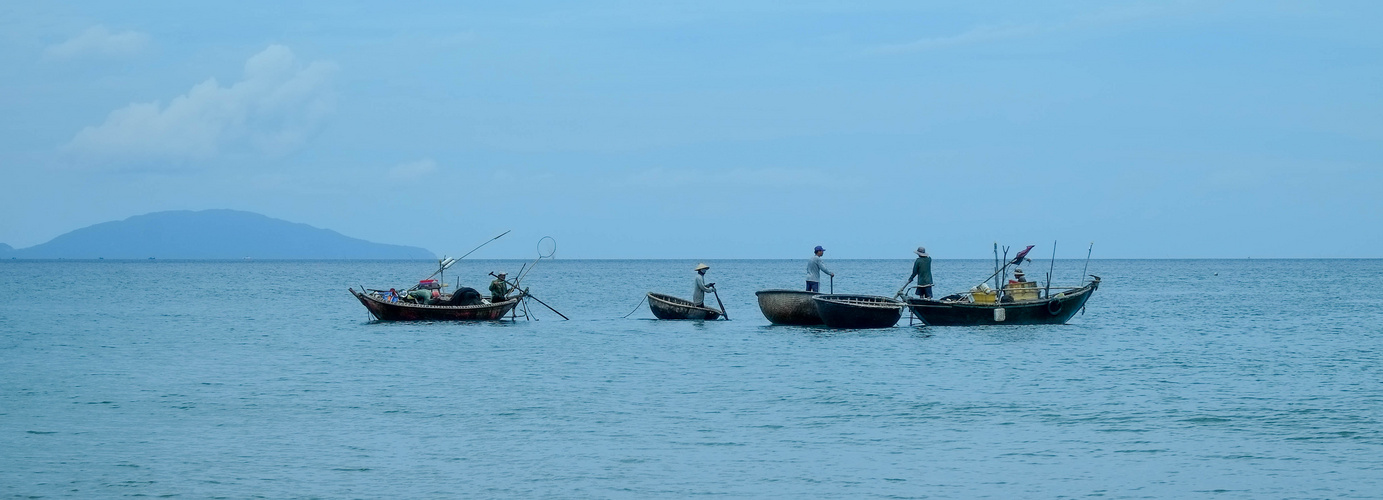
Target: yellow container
[984,297]
[1023,291]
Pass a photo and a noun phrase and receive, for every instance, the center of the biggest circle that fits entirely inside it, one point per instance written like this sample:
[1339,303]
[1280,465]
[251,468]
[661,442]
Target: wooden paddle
[722,304]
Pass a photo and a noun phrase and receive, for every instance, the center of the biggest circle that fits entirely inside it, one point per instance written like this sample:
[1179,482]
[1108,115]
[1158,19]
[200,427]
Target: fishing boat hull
[398,311]
[1051,311]
[669,307]
[789,307]
[857,311]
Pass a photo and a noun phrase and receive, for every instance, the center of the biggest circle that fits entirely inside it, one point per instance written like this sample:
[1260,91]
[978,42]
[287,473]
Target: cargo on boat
[789,307]
[1026,307]
[858,311]
[669,307]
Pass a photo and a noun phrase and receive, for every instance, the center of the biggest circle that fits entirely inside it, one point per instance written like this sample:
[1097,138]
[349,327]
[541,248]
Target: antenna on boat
[1087,262]
[442,265]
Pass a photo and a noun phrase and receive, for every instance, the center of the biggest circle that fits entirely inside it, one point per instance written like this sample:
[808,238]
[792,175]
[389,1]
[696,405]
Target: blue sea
[1182,379]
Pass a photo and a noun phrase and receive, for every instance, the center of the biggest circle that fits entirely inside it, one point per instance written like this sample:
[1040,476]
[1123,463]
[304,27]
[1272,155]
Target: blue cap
[819,249]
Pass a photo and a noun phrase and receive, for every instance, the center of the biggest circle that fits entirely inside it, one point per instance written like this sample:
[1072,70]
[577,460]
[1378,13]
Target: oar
[722,304]
[833,284]
[529,295]
[526,294]
[905,287]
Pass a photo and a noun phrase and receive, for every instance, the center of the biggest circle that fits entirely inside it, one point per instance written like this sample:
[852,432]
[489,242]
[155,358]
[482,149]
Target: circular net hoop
[547,247]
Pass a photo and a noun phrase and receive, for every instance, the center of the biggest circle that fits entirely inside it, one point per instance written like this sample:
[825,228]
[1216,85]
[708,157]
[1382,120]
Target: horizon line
[329,259]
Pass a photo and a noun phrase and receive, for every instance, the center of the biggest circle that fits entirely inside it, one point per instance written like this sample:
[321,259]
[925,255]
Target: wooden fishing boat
[669,307]
[858,311]
[789,307]
[962,310]
[386,310]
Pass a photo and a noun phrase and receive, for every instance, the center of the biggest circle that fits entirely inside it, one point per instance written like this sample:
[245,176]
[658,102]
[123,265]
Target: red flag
[1021,255]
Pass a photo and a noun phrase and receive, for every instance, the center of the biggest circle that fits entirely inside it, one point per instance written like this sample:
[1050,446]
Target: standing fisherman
[498,289]
[922,270]
[814,269]
[699,293]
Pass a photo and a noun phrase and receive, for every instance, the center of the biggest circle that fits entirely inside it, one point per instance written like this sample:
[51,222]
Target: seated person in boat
[1019,288]
[499,288]
[700,288]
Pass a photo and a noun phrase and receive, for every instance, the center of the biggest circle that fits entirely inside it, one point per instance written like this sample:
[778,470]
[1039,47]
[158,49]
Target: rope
[636,308]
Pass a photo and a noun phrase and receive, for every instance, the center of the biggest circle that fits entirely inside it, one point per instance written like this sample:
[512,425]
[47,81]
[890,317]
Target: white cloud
[996,32]
[273,109]
[99,41]
[978,34]
[413,170]
[751,178]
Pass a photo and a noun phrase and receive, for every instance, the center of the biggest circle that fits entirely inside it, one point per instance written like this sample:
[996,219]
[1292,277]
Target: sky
[711,130]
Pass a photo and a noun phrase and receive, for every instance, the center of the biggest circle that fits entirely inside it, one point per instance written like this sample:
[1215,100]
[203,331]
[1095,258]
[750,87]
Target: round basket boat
[789,307]
[669,307]
[858,311]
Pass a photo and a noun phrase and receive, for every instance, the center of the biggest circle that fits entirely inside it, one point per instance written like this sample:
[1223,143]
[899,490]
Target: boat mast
[1050,269]
[1087,263]
[996,264]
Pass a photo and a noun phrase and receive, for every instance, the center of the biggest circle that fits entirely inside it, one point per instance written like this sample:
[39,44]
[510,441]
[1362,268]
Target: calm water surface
[1223,379]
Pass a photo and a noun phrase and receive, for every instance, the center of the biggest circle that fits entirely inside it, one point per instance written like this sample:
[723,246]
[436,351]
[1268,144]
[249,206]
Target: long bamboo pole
[529,295]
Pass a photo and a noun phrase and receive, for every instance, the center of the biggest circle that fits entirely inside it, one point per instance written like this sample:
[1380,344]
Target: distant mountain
[210,234]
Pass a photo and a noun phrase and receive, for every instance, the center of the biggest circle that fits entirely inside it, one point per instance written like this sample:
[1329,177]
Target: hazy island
[209,234]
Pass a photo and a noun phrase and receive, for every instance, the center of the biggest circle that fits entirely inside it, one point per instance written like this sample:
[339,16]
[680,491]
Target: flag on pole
[1021,255]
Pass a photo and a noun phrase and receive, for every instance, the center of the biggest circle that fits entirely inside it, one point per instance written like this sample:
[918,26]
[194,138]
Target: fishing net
[547,247]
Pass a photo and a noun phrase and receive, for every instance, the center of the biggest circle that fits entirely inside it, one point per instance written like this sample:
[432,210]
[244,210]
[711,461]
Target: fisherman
[699,292]
[814,269]
[499,288]
[1009,291]
[427,292]
[423,296]
[922,270]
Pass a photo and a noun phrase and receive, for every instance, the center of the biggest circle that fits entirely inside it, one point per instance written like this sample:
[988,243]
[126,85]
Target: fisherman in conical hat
[1019,276]
[922,270]
[700,289]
